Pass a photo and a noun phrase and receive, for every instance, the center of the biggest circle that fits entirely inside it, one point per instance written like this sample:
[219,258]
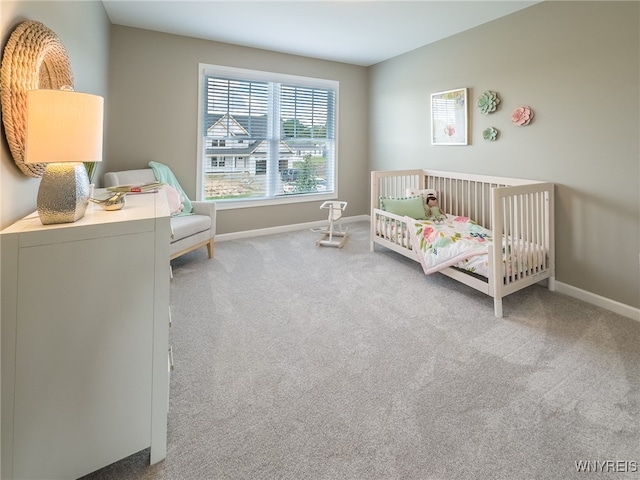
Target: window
[256,128]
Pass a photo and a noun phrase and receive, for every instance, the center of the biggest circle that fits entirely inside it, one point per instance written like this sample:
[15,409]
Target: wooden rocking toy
[335,228]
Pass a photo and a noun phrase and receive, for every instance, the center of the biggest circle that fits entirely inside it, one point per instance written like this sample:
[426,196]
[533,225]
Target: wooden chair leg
[210,248]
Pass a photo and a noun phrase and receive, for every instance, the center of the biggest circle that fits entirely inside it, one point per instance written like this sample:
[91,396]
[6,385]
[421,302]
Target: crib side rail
[523,250]
[394,184]
[474,177]
[391,231]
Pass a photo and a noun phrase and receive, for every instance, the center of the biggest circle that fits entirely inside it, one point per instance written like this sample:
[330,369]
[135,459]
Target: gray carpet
[302,362]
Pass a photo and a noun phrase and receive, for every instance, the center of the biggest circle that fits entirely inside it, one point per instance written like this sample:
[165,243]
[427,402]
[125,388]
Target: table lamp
[64,129]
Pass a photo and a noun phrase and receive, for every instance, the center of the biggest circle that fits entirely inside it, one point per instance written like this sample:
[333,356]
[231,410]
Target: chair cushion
[188,225]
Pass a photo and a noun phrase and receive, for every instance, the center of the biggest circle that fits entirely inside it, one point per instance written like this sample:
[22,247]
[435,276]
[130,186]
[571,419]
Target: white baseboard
[603,302]
[285,228]
[592,298]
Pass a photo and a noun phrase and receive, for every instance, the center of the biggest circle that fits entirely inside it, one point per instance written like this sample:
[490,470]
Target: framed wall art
[449,117]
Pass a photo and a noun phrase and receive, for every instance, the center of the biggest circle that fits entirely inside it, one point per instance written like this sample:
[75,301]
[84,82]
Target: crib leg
[497,307]
[551,284]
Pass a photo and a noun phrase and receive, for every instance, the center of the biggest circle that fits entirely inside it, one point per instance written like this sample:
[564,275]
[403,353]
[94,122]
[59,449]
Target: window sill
[270,202]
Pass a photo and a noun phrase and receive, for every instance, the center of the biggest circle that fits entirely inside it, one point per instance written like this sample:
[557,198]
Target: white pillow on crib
[413,192]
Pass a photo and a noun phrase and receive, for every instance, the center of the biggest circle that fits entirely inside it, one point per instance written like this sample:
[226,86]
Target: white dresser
[85,326]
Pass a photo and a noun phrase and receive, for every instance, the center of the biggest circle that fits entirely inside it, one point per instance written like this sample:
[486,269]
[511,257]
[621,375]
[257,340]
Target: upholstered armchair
[189,232]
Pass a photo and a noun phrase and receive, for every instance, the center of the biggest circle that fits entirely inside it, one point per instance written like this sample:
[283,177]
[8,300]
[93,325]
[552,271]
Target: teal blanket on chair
[164,174]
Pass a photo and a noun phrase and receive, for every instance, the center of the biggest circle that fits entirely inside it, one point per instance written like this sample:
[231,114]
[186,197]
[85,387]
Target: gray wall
[154,101]
[577,65]
[83,29]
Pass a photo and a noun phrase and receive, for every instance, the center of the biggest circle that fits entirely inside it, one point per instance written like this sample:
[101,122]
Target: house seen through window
[266,137]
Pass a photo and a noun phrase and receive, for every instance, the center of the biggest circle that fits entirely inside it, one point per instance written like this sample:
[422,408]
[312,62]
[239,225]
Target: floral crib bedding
[454,242]
[460,242]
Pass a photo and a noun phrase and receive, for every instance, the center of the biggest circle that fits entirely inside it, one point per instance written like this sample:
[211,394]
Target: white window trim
[270,77]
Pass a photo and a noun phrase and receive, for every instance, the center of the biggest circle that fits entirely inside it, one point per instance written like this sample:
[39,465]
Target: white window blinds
[272,136]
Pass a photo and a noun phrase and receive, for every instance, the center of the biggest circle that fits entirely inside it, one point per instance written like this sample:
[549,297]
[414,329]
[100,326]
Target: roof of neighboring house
[254,125]
[251,126]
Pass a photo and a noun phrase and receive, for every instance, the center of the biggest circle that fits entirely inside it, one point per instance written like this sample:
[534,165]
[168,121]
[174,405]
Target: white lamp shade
[63,126]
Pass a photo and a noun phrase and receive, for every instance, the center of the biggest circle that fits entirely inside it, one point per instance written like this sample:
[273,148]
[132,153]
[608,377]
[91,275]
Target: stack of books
[136,188]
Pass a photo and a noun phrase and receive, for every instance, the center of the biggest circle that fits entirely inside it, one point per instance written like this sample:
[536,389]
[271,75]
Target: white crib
[515,210]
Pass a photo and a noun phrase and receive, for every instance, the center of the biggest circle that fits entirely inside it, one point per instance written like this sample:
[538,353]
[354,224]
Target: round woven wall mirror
[33,58]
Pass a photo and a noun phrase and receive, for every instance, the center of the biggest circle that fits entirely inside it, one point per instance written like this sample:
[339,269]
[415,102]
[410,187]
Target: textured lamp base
[63,195]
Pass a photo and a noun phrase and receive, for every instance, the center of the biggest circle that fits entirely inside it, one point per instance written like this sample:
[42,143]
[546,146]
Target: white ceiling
[359,32]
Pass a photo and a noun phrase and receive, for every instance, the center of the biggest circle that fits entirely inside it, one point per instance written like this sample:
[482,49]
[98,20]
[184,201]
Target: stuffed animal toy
[433,210]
